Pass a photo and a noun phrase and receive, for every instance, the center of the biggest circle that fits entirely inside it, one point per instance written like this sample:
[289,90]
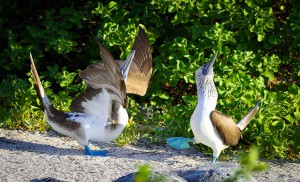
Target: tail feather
[246,120]
[39,87]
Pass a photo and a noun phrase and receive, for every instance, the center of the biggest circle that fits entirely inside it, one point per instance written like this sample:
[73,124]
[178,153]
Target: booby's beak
[208,68]
[124,68]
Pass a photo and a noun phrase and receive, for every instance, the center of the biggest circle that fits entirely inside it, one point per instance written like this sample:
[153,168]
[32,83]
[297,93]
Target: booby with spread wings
[99,114]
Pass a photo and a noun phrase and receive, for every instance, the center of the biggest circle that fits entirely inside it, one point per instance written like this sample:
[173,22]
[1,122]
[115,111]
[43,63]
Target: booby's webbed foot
[213,160]
[88,151]
[179,142]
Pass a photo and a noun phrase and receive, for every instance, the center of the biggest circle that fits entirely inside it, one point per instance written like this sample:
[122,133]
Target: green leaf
[52,71]
[190,99]
[290,119]
[65,78]
[260,36]
[180,17]
[293,89]
[180,65]
[164,96]
[269,74]
[274,39]
[277,125]
[112,5]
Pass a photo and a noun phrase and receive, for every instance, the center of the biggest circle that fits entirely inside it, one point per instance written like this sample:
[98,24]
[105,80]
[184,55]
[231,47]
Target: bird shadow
[149,151]
[146,151]
[18,145]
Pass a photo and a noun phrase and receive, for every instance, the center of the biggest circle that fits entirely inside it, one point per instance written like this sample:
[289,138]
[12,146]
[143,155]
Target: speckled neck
[206,87]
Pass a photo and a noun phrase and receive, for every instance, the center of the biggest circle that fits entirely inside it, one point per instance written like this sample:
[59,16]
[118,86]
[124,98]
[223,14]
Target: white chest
[202,127]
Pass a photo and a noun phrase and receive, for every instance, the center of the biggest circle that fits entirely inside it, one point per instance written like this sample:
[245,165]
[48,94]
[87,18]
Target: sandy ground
[27,156]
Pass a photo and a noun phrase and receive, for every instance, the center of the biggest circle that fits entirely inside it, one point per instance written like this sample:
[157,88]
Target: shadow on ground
[17,145]
[138,153]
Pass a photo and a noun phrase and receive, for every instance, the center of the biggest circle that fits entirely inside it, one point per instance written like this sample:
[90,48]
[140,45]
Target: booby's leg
[179,142]
[213,160]
[88,151]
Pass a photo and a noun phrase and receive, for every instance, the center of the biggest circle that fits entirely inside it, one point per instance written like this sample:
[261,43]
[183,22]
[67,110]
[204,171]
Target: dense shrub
[258,44]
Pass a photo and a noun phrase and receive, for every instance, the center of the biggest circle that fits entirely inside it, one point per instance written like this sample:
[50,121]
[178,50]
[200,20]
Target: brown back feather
[88,94]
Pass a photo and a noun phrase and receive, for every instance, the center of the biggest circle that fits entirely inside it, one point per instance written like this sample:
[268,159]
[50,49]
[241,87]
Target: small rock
[157,177]
[209,176]
[49,179]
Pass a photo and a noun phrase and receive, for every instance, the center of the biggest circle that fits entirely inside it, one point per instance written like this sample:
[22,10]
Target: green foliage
[18,112]
[129,135]
[248,163]
[145,174]
[258,44]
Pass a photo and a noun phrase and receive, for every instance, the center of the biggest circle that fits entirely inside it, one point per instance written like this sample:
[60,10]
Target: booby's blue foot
[213,160]
[88,151]
[179,142]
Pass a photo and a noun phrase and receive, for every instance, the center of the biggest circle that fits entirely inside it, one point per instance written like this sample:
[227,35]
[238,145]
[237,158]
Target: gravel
[34,156]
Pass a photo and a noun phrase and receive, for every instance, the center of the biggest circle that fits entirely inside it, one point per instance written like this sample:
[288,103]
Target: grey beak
[124,68]
[209,65]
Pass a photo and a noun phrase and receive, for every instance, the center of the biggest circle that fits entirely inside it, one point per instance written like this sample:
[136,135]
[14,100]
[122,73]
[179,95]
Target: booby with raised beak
[211,127]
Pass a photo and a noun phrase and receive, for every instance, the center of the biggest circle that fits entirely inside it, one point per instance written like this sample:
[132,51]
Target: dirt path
[26,156]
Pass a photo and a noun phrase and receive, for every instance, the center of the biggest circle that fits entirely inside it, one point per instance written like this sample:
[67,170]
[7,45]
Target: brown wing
[141,67]
[108,78]
[100,65]
[226,127]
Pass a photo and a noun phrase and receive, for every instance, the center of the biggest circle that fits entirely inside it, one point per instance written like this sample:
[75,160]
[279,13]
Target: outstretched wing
[109,78]
[141,67]
[226,127]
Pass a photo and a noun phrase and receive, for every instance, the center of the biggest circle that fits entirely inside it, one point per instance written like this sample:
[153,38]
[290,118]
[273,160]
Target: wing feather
[141,67]
[226,127]
[109,78]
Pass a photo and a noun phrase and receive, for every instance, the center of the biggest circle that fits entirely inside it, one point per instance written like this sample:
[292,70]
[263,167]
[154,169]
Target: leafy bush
[145,174]
[258,44]
[249,162]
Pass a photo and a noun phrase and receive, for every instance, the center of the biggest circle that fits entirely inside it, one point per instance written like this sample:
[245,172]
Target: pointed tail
[246,120]
[39,87]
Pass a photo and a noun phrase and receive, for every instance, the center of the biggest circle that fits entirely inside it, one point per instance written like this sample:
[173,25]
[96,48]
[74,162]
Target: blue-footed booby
[99,114]
[209,126]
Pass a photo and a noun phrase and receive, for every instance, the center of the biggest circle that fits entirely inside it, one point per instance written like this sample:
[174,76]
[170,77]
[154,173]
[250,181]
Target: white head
[204,78]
